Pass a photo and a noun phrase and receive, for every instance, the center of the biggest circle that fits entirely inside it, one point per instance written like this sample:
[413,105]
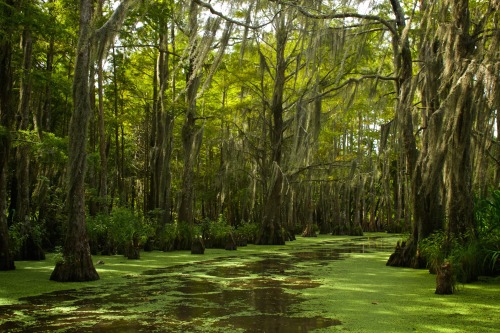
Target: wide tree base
[270,235]
[406,255]
[197,246]
[74,271]
[7,264]
[309,231]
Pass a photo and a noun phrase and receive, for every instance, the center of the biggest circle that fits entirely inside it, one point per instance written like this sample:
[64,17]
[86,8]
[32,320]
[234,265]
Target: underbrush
[470,255]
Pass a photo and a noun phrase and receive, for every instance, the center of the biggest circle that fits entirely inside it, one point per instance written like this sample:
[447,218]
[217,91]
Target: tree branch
[358,80]
[335,15]
[105,34]
[227,18]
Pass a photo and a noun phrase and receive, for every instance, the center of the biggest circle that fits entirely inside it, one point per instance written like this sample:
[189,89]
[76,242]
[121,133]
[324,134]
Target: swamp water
[307,285]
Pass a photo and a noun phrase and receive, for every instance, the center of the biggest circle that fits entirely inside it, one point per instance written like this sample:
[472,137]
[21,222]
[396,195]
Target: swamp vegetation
[135,131]
[323,284]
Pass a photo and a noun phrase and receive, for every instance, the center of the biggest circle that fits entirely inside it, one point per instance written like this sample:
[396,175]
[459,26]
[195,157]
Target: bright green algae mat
[323,284]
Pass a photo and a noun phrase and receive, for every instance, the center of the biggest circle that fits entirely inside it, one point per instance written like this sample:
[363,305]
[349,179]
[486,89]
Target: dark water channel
[247,293]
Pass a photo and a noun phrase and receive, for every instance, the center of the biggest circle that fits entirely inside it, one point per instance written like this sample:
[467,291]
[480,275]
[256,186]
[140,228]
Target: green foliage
[178,235]
[125,224]
[492,260]
[58,255]
[220,229]
[467,257]
[435,250]
[52,149]
[17,236]
[488,213]
[117,231]
[246,232]
[99,233]
[488,225]
[25,138]
[470,255]
[464,253]
[169,236]
[217,233]
[21,231]
[3,132]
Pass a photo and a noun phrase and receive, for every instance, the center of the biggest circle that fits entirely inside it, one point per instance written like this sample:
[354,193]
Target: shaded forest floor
[324,284]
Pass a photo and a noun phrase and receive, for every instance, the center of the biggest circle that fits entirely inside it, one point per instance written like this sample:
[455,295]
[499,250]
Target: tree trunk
[271,230]
[103,171]
[7,114]
[30,248]
[45,118]
[163,143]
[459,201]
[191,142]
[442,176]
[76,264]
[408,256]
[191,133]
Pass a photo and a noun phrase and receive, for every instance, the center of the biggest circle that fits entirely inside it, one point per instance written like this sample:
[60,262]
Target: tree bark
[422,199]
[271,229]
[459,201]
[452,86]
[162,178]
[31,248]
[191,141]
[103,171]
[7,114]
[76,264]
[192,134]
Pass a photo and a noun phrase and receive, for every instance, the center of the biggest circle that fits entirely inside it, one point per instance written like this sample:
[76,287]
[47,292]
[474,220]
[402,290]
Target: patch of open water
[256,293]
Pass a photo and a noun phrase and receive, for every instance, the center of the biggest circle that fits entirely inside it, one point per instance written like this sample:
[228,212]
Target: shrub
[24,236]
[220,232]
[179,236]
[466,255]
[128,231]
[434,249]
[98,231]
[246,232]
[122,231]
[169,236]
[462,255]
[487,213]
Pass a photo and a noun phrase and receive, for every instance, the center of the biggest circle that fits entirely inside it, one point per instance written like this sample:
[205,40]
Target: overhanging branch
[229,19]
[336,15]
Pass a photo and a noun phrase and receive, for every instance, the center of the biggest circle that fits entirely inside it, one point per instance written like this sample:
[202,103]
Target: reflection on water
[278,323]
[259,293]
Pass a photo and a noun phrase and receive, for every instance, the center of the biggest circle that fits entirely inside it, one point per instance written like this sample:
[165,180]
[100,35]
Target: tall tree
[271,230]
[199,73]
[163,126]
[20,206]
[191,133]
[76,264]
[455,74]
[7,113]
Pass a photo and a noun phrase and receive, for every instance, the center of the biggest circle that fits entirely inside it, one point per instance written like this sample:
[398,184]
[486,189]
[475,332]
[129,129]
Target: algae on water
[324,284]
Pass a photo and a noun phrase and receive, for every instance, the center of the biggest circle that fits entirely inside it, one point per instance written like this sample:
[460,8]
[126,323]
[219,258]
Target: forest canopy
[159,124]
